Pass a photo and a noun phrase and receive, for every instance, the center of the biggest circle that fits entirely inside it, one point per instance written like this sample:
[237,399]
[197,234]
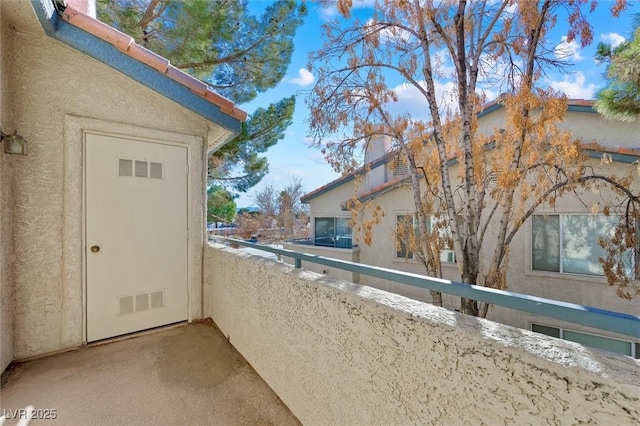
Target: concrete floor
[185,375]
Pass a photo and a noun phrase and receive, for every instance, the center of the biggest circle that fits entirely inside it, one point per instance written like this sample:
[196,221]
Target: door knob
[95,249]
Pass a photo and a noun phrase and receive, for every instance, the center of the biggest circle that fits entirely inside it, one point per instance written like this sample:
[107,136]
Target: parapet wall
[341,353]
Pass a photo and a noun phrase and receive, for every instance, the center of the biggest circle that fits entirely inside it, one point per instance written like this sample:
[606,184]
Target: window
[623,347]
[333,232]
[407,223]
[569,243]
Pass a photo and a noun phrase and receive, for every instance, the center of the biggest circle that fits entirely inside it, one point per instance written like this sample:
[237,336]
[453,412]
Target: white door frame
[190,289]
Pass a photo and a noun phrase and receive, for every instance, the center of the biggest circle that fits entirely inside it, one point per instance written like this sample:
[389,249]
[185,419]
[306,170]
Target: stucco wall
[58,93]
[340,353]
[6,287]
[588,126]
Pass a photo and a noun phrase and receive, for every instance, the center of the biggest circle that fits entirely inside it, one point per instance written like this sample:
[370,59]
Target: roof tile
[146,56]
[185,79]
[97,28]
[611,149]
[127,45]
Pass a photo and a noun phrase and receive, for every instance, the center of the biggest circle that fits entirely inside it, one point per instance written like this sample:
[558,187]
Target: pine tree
[620,100]
[236,53]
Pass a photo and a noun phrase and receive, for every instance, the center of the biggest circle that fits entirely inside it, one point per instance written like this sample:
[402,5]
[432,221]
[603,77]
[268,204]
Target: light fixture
[14,144]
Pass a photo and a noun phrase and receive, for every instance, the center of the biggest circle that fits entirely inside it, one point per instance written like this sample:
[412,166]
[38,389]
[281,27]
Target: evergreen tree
[220,205]
[263,129]
[620,100]
[236,53]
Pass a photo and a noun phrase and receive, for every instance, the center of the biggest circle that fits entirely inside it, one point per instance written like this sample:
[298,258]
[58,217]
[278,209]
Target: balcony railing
[617,322]
[336,352]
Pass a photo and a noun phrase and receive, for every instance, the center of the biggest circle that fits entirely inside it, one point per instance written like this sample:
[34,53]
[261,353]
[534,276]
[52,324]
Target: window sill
[567,276]
[417,262]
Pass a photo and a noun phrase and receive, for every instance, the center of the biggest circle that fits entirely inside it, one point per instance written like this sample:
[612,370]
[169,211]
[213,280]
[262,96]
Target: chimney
[377,146]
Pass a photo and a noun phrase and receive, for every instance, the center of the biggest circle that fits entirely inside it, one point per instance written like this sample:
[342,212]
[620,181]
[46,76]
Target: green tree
[620,100]
[263,129]
[220,205]
[236,53]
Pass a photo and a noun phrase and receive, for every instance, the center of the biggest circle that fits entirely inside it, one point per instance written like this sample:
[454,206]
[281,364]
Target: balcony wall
[341,353]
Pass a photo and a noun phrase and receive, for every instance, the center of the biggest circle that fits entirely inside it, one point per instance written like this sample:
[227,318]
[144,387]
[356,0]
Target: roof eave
[167,82]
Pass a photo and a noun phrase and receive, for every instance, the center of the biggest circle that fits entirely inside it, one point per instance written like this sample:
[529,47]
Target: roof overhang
[119,51]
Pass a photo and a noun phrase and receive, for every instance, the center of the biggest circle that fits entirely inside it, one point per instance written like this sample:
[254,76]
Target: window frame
[335,237]
[444,254]
[397,241]
[561,246]
[634,346]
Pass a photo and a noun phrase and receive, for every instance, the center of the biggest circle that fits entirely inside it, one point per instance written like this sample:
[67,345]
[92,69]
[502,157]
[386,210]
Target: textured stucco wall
[340,353]
[588,126]
[6,229]
[59,92]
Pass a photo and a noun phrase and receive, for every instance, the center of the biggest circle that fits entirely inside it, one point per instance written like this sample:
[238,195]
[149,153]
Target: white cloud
[575,86]
[328,13]
[614,39]
[568,50]
[412,102]
[304,78]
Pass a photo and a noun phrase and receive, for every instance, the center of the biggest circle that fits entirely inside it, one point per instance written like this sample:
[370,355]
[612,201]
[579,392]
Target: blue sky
[292,156]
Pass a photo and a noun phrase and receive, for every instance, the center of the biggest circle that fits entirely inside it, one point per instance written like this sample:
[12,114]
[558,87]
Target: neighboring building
[535,267]
[102,223]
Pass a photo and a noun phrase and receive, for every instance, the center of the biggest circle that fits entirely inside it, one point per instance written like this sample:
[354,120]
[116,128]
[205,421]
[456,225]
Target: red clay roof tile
[127,45]
[199,87]
[146,56]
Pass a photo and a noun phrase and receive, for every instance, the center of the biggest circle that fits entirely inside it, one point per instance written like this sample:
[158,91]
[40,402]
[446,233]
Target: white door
[136,235]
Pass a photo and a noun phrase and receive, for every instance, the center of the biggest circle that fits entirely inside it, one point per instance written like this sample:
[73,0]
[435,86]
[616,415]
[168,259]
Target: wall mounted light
[14,144]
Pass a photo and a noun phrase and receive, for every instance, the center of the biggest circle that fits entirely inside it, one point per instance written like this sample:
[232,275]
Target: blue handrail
[617,322]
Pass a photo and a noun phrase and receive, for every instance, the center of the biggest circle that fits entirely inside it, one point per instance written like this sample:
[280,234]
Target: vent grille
[140,168]
[140,302]
[125,167]
[400,167]
[126,305]
[157,299]
[155,171]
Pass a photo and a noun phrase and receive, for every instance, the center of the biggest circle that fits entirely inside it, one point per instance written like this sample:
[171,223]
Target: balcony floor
[183,375]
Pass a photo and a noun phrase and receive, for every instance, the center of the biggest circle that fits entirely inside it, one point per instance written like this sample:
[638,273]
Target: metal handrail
[602,319]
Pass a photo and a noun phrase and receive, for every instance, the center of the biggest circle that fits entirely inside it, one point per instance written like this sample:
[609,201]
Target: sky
[293,157]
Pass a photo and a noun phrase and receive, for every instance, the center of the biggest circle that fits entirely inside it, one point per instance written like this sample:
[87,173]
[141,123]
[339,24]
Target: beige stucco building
[577,280]
[65,78]
[333,352]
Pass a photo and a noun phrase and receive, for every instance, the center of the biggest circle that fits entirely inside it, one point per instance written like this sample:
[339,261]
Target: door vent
[126,305]
[140,302]
[155,171]
[157,299]
[125,167]
[141,169]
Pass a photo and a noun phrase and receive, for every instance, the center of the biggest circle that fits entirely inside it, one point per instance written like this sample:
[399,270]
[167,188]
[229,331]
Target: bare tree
[282,206]
[267,201]
[499,180]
